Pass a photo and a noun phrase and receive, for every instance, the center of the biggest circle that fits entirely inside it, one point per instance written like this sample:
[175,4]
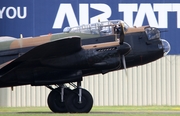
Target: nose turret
[166,46]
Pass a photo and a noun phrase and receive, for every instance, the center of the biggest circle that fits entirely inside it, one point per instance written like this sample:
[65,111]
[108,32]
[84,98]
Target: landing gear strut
[63,99]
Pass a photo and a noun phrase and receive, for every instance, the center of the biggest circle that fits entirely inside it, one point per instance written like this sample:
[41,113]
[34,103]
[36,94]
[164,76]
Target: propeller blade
[122,33]
[124,64]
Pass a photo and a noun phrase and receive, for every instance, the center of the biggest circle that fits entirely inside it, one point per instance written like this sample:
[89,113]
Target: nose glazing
[166,46]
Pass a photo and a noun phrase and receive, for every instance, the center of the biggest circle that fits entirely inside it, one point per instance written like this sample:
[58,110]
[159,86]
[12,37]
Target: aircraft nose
[166,46]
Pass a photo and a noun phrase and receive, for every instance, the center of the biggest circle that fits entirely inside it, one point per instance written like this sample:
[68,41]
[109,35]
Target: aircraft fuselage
[100,50]
[86,50]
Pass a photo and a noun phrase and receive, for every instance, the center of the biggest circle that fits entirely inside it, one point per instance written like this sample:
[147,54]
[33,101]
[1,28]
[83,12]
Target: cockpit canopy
[105,28]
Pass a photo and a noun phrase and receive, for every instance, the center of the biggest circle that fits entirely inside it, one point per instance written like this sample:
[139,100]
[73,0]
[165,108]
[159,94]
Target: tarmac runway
[143,112]
[124,112]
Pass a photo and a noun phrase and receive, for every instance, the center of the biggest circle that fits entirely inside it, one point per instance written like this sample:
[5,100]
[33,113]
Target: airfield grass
[96,111]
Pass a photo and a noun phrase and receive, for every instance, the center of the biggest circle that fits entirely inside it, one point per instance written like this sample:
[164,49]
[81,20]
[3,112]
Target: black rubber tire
[72,104]
[54,100]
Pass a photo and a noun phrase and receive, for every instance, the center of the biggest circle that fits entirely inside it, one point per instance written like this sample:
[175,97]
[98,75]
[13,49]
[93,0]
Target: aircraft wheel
[73,105]
[54,100]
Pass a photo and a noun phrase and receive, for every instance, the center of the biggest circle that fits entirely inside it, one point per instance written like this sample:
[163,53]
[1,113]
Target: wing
[60,47]
[55,48]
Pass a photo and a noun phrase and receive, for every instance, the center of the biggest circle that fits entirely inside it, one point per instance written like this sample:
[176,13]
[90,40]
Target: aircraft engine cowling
[108,65]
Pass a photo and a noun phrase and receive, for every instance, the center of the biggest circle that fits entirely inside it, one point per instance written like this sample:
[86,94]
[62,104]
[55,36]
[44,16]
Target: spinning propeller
[122,33]
[124,64]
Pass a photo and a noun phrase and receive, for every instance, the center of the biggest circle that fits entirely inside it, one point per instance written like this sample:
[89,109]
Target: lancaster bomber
[55,60]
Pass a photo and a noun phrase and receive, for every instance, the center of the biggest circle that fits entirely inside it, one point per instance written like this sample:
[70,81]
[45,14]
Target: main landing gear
[63,99]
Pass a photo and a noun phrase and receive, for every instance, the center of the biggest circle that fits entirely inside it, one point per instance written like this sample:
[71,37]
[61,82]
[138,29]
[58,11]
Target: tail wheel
[73,105]
[54,100]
